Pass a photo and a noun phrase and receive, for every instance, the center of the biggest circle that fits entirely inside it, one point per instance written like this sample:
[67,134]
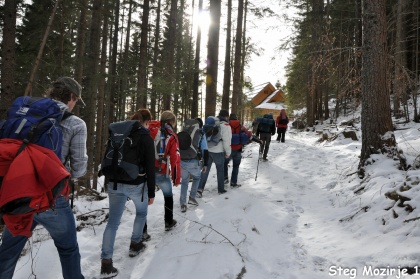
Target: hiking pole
[257,166]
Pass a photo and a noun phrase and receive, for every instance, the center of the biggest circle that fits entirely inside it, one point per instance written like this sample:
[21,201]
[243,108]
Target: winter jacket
[33,173]
[224,144]
[272,126]
[145,152]
[282,120]
[172,152]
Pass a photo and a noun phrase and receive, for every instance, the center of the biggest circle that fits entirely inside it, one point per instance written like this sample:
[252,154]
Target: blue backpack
[238,136]
[212,130]
[35,120]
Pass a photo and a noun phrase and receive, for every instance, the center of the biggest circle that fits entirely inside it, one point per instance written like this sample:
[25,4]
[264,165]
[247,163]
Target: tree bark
[227,73]
[376,110]
[28,90]
[170,53]
[8,57]
[212,58]
[91,84]
[238,58]
[142,71]
[194,106]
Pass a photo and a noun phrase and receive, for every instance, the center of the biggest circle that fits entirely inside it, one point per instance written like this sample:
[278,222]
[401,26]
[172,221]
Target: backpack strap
[162,145]
[66,115]
[192,138]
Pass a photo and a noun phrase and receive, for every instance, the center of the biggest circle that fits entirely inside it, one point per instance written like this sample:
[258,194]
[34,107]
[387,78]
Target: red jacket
[236,127]
[278,125]
[171,151]
[33,173]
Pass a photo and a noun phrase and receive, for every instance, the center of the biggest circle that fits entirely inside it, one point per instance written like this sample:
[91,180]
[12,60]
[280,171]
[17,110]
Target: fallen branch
[365,209]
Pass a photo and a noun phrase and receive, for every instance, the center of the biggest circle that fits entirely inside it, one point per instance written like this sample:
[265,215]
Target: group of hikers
[142,156]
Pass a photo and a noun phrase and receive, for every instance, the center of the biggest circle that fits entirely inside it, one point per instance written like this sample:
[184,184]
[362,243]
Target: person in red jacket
[281,124]
[168,170]
[245,136]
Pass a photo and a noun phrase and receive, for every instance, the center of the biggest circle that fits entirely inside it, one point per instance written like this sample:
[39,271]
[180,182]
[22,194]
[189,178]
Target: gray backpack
[190,140]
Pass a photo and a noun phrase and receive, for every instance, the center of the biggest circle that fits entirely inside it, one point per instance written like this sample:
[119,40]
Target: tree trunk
[227,73]
[213,58]
[154,93]
[194,106]
[7,79]
[101,125]
[170,53]
[81,42]
[242,98]
[377,135]
[238,58]
[399,84]
[142,71]
[28,90]
[113,64]
[91,84]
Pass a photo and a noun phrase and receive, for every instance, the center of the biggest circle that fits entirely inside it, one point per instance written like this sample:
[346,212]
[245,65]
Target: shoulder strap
[66,115]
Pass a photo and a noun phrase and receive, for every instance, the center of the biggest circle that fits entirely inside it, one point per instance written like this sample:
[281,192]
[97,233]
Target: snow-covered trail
[297,178]
[283,225]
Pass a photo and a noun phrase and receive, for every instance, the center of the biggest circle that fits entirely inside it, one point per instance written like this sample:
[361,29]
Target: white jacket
[224,144]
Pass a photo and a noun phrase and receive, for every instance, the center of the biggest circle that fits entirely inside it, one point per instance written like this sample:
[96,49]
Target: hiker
[193,166]
[136,190]
[281,124]
[168,167]
[147,118]
[244,136]
[266,129]
[218,152]
[60,222]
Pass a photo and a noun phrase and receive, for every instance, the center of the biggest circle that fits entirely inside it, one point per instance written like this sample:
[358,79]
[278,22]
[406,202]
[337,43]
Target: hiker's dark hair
[142,115]
[61,94]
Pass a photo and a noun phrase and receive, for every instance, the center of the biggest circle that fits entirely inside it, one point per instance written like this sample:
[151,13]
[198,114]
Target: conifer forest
[131,54]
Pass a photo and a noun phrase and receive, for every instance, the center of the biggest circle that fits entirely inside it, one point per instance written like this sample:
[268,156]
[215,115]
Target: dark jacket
[145,153]
[272,125]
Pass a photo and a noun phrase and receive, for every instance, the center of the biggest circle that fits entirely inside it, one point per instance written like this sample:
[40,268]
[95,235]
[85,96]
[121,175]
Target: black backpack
[265,123]
[190,140]
[121,162]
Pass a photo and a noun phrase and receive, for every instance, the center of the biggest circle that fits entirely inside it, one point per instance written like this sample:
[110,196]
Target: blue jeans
[61,226]
[165,184]
[193,168]
[219,161]
[236,157]
[117,200]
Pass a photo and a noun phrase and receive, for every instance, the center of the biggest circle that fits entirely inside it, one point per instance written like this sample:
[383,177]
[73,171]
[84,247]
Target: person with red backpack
[241,136]
[281,124]
[59,221]
[167,161]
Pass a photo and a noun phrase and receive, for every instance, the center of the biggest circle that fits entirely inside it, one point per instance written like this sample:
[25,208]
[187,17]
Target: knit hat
[224,113]
[71,85]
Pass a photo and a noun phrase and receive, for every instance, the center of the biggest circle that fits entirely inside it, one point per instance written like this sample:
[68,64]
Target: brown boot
[107,269]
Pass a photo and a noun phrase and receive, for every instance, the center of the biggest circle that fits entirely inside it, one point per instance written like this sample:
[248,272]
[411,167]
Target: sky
[296,216]
[267,34]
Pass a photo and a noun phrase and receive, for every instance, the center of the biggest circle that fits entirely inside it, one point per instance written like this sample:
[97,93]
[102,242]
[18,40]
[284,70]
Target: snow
[298,218]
